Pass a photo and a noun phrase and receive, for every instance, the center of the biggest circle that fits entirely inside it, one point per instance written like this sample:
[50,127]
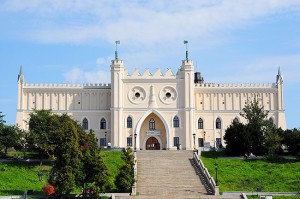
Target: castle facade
[153,111]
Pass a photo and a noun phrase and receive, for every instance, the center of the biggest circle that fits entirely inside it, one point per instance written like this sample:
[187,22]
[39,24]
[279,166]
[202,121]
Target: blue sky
[232,41]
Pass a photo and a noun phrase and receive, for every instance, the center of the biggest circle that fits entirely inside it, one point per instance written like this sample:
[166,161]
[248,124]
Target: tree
[76,154]
[10,136]
[291,139]
[42,127]
[92,166]
[125,178]
[250,137]
[237,139]
[272,142]
[257,125]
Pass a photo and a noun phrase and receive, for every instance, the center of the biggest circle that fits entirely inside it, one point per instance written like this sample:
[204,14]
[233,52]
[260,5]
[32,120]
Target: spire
[186,49]
[20,73]
[116,52]
[279,78]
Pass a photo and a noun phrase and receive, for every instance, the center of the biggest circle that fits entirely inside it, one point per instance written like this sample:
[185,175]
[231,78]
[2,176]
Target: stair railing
[133,187]
[211,182]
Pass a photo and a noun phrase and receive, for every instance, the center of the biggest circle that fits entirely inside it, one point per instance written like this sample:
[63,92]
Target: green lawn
[16,177]
[276,197]
[114,162]
[247,175]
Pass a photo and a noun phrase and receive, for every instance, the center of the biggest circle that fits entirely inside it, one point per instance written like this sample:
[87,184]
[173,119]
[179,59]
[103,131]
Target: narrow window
[129,122]
[271,120]
[85,124]
[102,141]
[129,141]
[152,124]
[200,142]
[200,123]
[218,143]
[176,122]
[103,124]
[176,141]
[218,123]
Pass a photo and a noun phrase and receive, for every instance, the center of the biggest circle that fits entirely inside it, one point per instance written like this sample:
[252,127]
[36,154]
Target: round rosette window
[137,95]
[168,95]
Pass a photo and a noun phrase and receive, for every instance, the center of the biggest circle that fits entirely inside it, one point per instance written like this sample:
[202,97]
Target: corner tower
[19,119]
[187,74]
[117,75]
[281,122]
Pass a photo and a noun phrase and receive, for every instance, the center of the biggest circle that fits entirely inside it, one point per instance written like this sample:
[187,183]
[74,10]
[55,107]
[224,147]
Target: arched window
[271,120]
[102,123]
[152,124]
[85,124]
[218,123]
[200,123]
[176,122]
[129,122]
[236,120]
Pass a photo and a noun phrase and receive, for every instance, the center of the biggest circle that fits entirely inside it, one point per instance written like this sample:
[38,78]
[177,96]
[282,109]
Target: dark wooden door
[152,144]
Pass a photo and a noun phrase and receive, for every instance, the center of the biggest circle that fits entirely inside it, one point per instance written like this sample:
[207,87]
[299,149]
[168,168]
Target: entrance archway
[143,126]
[152,144]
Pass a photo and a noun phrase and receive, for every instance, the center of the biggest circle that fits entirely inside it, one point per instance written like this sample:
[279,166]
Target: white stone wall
[165,95]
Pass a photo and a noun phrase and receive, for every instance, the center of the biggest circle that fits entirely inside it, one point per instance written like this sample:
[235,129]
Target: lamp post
[135,141]
[216,168]
[194,136]
[105,139]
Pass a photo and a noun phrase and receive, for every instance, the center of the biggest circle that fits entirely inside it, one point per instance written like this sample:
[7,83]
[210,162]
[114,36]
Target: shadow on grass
[277,160]
[24,164]
[19,192]
[213,154]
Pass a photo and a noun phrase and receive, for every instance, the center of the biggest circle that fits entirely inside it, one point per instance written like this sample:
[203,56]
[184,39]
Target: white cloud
[146,22]
[77,75]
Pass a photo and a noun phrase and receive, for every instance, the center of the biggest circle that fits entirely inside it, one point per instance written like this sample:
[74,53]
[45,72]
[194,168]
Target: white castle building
[152,111]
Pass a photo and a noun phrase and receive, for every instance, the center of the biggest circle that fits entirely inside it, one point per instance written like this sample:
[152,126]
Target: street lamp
[135,141]
[194,136]
[40,175]
[105,139]
[216,168]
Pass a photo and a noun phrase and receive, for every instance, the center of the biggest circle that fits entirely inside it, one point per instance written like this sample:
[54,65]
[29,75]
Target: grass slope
[17,177]
[247,175]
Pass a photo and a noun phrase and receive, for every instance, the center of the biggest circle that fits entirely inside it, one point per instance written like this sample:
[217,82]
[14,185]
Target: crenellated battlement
[247,85]
[147,74]
[64,86]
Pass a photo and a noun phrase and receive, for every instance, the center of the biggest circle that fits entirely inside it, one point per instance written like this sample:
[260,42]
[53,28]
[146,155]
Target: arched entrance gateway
[152,144]
[151,133]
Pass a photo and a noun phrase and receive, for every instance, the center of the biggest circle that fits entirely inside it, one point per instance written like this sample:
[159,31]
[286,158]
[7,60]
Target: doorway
[152,144]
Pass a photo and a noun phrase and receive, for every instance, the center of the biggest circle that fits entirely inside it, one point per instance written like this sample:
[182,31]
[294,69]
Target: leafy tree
[92,166]
[251,137]
[67,153]
[291,138]
[257,125]
[2,121]
[125,179]
[42,127]
[76,154]
[10,136]
[272,142]
[237,139]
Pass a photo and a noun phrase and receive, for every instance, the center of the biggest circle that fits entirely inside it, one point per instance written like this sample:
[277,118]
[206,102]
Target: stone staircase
[169,174]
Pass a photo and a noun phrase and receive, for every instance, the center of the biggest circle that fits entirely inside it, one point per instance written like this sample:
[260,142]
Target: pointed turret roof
[279,76]
[20,72]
